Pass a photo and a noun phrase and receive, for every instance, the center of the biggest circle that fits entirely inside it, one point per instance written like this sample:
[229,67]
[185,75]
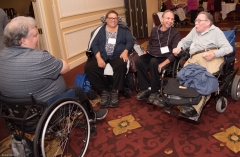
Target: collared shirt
[24,70]
[213,37]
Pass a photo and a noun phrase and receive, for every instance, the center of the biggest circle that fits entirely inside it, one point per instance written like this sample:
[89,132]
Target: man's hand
[161,65]
[209,55]
[176,51]
[124,55]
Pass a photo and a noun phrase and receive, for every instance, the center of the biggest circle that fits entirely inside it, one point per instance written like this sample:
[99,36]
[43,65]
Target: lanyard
[159,38]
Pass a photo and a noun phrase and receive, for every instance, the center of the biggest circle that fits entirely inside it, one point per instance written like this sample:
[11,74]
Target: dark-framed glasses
[113,18]
[198,21]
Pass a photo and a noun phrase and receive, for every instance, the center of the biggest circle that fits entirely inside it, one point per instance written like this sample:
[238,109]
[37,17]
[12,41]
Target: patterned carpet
[137,129]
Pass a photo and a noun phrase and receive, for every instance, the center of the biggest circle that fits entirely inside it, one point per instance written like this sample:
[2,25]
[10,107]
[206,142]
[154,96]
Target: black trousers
[96,76]
[147,63]
[193,14]
[80,95]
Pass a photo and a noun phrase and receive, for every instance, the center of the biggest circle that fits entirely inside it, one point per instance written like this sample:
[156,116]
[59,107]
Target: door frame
[40,19]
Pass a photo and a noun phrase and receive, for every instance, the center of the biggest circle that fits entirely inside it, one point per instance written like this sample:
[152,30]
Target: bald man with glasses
[210,43]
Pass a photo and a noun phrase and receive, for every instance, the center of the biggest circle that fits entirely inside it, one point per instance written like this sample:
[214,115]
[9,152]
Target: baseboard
[77,62]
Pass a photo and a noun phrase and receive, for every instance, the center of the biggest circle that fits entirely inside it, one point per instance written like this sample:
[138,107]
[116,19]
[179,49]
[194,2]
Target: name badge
[112,41]
[164,49]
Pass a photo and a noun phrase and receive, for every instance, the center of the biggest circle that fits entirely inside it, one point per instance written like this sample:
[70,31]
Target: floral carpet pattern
[124,124]
[137,129]
[230,137]
[164,135]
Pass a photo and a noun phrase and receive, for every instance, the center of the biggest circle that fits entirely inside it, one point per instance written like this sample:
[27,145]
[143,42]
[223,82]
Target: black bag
[180,95]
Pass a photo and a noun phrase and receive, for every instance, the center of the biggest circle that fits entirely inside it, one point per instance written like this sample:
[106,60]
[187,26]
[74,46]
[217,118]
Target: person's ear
[22,41]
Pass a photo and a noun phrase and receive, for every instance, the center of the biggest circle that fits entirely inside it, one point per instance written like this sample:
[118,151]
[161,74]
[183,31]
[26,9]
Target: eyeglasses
[198,21]
[111,18]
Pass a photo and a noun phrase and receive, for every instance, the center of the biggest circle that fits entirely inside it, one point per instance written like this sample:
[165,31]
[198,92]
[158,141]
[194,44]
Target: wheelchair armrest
[165,67]
[89,54]
[228,63]
[230,55]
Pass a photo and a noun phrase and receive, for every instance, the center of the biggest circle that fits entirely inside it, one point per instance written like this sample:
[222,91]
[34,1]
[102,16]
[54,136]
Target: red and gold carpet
[136,129]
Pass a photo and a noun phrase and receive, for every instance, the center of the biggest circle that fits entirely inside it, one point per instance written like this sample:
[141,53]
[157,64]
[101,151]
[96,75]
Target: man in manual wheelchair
[32,79]
[207,47]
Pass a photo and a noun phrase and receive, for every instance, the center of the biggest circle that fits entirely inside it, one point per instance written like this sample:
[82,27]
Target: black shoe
[152,97]
[189,111]
[114,99]
[105,99]
[160,101]
[100,114]
[143,94]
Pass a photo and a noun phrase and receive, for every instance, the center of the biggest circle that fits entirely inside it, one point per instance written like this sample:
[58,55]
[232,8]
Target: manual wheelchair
[228,80]
[62,128]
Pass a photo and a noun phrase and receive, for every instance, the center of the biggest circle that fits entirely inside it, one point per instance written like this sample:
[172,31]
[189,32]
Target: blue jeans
[78,94]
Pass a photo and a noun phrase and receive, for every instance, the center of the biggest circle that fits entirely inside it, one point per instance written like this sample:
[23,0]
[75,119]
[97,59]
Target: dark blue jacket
[124,41]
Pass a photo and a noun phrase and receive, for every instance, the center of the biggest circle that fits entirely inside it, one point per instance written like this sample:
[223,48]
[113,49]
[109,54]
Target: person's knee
[79,93]
[138,61]
[154,62]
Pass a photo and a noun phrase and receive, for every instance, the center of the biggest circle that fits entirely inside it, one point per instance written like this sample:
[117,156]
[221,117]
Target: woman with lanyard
[159,53]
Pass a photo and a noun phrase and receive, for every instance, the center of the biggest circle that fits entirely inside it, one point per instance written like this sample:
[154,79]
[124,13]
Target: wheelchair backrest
[231,37]
[23,114]
[230,58]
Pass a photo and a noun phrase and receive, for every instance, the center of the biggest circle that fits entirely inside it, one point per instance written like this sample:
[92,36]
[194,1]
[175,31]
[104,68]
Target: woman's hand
[100,61]
[124,55]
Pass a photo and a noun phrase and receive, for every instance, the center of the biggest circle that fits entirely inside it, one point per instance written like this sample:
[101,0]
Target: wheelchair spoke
[66,124]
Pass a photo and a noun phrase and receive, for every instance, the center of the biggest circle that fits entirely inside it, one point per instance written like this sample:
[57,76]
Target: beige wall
[57,32]
[21,6]
[51,29]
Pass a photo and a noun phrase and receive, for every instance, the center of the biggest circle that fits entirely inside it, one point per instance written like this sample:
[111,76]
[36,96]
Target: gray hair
[166,11]
[17,29]
[208,16]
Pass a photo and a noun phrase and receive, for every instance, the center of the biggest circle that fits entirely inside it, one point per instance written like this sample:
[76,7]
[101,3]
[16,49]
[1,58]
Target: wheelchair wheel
[235,89]
[221,104]
[63,130]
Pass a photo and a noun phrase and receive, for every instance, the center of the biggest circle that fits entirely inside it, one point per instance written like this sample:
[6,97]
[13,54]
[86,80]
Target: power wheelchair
[228,80]
[62,128]
[130,77]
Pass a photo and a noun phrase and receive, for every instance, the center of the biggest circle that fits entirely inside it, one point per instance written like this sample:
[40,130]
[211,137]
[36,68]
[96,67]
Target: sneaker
[114,99]
[143,94]
[101,114]
[105,99]
[160,102]
[152,97]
